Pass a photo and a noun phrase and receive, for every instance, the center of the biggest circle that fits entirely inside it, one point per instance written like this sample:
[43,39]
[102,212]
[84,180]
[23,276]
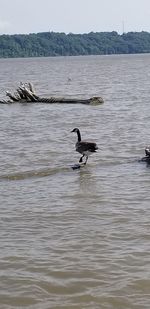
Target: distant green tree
[61,44]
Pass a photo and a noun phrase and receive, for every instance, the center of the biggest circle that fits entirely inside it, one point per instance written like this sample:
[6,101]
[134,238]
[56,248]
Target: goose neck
[79,136]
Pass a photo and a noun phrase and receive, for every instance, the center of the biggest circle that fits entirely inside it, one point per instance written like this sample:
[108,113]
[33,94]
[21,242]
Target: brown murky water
[75,239]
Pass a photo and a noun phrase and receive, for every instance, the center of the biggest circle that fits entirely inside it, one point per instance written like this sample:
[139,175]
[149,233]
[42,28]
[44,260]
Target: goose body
[84,147]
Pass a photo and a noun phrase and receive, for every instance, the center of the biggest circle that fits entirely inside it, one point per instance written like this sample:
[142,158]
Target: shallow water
[75,238]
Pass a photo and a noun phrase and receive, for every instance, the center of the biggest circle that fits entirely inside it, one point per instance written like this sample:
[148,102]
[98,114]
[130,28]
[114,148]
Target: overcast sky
[76,16]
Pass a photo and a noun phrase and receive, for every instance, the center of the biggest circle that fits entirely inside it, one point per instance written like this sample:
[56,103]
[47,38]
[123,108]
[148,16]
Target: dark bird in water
[147,151]
[84,147]
[147,155]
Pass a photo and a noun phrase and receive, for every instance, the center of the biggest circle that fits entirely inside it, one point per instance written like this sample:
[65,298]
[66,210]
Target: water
[75,239]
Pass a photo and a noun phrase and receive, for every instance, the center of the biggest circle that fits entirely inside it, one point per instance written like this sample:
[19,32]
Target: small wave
[56,170]
[35,173]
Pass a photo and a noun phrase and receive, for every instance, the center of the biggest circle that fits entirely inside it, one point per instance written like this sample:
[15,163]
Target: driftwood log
[25,94]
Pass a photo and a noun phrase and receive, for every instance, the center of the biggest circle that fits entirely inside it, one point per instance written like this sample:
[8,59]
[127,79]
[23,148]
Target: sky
[75,16]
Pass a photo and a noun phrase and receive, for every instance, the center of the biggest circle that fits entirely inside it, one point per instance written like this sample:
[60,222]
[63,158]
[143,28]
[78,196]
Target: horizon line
[67,33]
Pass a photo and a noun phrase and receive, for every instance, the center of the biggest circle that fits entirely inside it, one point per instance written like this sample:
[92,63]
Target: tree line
[46,44]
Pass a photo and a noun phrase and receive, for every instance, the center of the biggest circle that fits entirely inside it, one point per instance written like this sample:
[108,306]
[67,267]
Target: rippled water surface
[75,239]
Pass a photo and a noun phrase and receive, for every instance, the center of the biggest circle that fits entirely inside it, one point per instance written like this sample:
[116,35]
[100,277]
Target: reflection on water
[75,238]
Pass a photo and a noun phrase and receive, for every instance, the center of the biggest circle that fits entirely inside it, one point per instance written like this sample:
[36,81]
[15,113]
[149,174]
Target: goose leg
[81,159]
[86,160]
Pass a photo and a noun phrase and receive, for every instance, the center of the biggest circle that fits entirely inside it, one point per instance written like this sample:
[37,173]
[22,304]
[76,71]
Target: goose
[84,147]
[147,155]
[147,151]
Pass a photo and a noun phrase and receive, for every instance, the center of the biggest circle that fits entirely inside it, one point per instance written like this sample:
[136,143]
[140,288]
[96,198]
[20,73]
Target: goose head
[75,130]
